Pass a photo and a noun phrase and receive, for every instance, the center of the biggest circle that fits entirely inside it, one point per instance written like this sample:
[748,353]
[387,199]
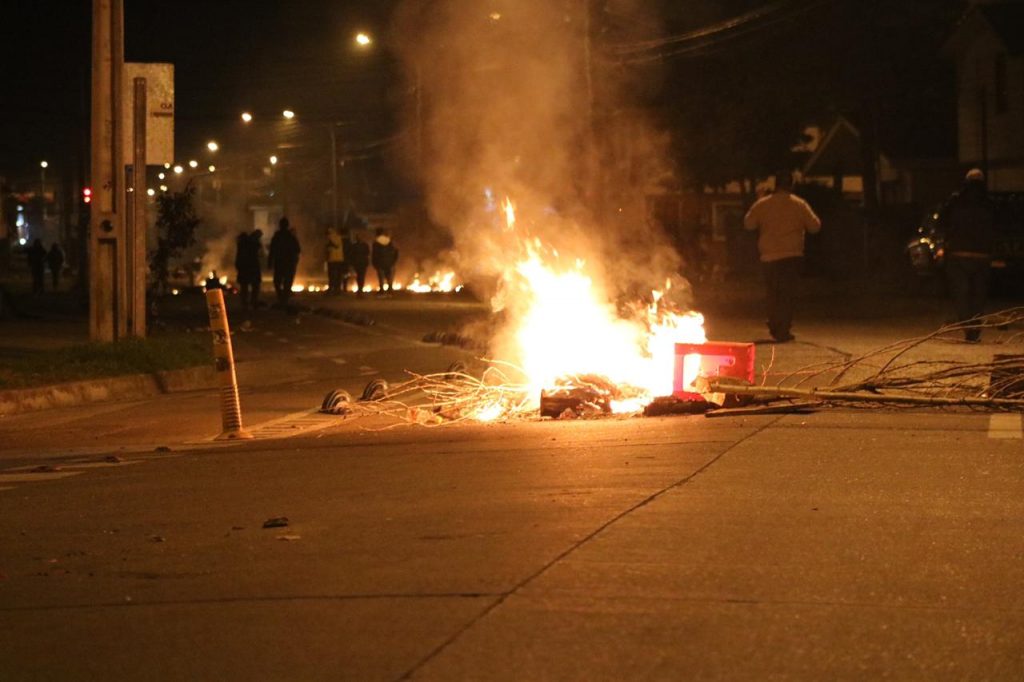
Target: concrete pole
[135,242]
[106,258]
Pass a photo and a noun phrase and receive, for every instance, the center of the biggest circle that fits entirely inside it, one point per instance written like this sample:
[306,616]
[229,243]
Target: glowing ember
[562,324]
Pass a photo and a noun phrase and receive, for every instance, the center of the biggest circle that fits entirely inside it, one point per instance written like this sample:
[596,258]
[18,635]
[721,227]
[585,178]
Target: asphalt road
[845,544]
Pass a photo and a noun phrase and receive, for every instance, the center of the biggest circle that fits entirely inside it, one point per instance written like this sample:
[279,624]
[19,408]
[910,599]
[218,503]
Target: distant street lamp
[193,164]
[178,170]
[212,146]
[288,114]
[273,160]
[212,168]
[246,117]
[363,39]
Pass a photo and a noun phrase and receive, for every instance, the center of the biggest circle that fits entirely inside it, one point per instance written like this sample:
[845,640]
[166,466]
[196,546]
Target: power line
[717,37]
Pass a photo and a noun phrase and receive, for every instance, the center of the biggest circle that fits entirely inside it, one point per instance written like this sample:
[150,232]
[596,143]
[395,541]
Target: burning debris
[714,379]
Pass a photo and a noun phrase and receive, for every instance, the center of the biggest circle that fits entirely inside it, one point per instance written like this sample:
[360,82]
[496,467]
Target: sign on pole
[160,103]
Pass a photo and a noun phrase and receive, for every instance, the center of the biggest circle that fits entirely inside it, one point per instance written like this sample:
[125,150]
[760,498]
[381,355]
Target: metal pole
[334,176]
[42,191]
[135,242]
[419,118]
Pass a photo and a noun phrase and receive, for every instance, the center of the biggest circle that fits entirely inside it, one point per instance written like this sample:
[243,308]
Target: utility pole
[107,321]
[334,176]
[135,232]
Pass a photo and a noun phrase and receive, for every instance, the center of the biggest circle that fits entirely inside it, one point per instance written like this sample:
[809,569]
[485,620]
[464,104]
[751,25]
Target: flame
[563,324]
[439,281]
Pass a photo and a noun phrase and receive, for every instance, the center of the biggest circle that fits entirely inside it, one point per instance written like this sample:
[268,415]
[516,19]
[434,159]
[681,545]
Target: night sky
[235,55]
[229,56]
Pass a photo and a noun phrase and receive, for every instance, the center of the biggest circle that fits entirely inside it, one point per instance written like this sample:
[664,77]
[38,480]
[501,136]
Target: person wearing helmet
[968,222]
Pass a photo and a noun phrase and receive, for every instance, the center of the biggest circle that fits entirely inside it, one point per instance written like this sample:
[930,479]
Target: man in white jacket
[782,219]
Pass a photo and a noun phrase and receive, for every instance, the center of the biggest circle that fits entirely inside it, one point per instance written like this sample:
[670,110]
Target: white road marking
[1005,426]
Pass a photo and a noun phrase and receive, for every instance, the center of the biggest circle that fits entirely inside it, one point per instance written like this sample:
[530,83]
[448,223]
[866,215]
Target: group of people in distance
[39,259]
[346,258]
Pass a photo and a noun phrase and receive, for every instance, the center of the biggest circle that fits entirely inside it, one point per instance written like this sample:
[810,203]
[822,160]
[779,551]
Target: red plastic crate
[717,359]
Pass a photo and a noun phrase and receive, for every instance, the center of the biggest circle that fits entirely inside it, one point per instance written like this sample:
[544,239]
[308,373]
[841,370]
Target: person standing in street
[385,255]
[247,264]
[55,261]
[360,260]
[968,222]
[284,260]
[37,264]
[781,219]
[336,265]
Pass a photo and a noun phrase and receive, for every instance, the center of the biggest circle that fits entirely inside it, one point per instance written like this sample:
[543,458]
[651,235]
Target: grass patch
[26,368]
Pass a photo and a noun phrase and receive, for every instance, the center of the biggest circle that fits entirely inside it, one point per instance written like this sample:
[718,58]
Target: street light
[212,168]
[363,39]
[246,117]
[273,160]
[193,164]
[178,170]
[212,146]
[288,114]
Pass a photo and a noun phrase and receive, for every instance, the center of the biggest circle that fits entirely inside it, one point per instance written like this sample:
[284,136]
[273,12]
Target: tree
[176,225]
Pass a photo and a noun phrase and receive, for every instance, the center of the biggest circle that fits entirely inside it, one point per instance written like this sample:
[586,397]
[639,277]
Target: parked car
[926,250]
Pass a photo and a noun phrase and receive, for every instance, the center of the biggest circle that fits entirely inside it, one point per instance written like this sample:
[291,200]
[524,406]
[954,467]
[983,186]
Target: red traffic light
[87,195]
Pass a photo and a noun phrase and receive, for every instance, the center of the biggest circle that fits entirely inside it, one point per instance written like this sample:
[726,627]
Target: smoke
[514,100]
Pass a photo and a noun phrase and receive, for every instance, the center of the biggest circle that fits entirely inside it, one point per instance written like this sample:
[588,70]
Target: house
[987,47]
[837,160]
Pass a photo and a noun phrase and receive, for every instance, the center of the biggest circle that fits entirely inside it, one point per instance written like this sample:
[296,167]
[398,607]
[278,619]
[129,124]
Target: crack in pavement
[502,598]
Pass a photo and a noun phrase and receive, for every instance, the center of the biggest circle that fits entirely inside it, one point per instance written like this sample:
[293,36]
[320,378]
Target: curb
[112,388]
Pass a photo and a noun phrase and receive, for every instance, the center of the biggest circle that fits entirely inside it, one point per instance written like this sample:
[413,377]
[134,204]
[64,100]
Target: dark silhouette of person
[968,222]
[55,261]
[284,260]
[247,263]
[385,255]
[781,219]
[37,264]
[360,260]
